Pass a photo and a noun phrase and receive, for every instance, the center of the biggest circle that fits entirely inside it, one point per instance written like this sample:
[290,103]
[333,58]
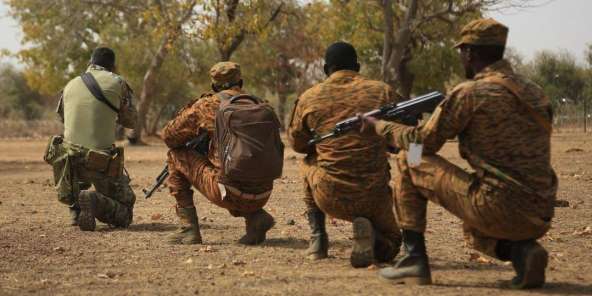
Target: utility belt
[109,162]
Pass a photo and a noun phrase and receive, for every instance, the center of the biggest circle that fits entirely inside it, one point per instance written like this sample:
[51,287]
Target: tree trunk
[396,45]
[148,88]
[149,84]
[282,100]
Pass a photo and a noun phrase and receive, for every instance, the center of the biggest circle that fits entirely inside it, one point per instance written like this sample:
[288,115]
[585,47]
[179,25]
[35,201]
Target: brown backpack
[248,137]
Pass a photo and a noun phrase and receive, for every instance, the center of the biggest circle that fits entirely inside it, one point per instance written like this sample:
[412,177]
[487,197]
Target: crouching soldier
[503,125]
[234,173]
[91,105]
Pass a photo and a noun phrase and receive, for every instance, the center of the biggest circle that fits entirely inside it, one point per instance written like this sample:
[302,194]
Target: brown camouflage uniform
[512,193]
[187,167]
[346,177]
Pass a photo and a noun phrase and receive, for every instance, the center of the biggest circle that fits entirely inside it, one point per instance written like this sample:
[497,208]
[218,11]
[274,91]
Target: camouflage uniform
[345,177]
[85,155]
[512,193]
[189,168]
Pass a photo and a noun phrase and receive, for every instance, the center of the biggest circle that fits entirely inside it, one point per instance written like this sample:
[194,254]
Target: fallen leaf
[248,273]
[372,267]
[189,261]
[156,216]
[238,262]
[585,231]
[572,150]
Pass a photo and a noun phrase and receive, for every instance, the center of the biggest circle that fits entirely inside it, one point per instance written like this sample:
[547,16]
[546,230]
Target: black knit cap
[341,55]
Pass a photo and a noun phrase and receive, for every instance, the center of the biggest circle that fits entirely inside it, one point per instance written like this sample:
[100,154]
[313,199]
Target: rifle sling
[94,88]
[517,92]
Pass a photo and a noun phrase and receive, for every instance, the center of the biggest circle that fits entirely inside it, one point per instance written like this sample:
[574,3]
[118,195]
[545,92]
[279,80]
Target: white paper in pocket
[414,154]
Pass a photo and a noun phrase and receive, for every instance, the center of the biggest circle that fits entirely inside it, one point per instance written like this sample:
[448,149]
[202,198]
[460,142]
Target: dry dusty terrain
[40,254]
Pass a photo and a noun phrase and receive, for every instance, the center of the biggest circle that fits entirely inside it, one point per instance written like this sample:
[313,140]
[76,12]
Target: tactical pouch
[110,164]
[58,156]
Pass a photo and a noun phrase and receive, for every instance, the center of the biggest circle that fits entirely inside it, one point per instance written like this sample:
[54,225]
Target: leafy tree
[17,99]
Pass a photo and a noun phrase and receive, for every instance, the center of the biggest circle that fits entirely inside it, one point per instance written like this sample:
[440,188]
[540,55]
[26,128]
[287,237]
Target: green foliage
[17,99]
[559,75]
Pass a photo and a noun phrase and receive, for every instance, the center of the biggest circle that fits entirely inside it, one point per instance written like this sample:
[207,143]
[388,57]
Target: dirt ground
[41,254]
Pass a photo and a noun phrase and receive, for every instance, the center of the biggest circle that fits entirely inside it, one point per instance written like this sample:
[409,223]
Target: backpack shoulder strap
[516,90]
[94,88]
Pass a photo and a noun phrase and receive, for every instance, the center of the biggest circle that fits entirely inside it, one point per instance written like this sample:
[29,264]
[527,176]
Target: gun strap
[517,91]
[94,88]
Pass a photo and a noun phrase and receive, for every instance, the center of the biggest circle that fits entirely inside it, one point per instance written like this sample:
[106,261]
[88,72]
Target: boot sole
[86,220]
[363,248]
[534,271]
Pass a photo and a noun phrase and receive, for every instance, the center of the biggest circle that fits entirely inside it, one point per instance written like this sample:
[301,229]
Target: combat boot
[318,247]
[257,225]
[188,233]
[385,249]
[414,267]
[87,201]
[362,254]
[529,260]
[74,213]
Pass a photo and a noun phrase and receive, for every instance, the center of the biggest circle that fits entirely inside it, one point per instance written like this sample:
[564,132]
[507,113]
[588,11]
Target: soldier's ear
[327,70]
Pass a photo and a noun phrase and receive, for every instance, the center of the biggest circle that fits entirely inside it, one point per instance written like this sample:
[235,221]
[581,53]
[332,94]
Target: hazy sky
[560,24]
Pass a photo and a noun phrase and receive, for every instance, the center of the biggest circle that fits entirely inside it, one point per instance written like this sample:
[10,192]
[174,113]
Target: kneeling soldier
[90,107]
[346,177]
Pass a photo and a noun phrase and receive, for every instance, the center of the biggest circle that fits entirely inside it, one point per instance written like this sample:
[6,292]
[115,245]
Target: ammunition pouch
[61,159]
[108,163]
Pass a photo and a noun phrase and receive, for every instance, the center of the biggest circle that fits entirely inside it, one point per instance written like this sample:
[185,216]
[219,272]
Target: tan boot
[188,233]
[257,225]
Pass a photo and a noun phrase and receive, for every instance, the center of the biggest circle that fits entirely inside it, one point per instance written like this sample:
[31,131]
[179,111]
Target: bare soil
[40,254]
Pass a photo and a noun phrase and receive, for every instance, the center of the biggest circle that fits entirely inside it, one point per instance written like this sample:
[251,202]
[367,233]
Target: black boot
[318,247]
[74,213]
[413,268]
[529,260]
[256,225]
[385,249]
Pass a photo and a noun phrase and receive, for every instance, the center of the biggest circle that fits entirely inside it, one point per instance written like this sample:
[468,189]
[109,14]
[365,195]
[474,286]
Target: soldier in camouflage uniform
[86,154]
[503,126]
[188,167]
[346,177]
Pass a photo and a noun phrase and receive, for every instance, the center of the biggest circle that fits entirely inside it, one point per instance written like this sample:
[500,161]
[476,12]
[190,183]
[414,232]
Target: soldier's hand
[366,123]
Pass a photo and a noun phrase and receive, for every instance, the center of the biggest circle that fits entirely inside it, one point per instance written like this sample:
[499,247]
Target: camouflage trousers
[341,201]
[188,168]
[115,197]
[484,206]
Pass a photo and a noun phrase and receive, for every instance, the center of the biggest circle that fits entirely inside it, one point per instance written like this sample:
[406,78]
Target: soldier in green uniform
[503,125]
[85,155]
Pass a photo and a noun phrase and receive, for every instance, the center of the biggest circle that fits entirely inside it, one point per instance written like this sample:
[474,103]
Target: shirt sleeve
[298,132]
[448,120]
[184,127]
[128,115]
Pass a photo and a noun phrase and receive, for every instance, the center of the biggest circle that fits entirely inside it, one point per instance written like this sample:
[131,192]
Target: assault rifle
[404,111]
[200,144]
